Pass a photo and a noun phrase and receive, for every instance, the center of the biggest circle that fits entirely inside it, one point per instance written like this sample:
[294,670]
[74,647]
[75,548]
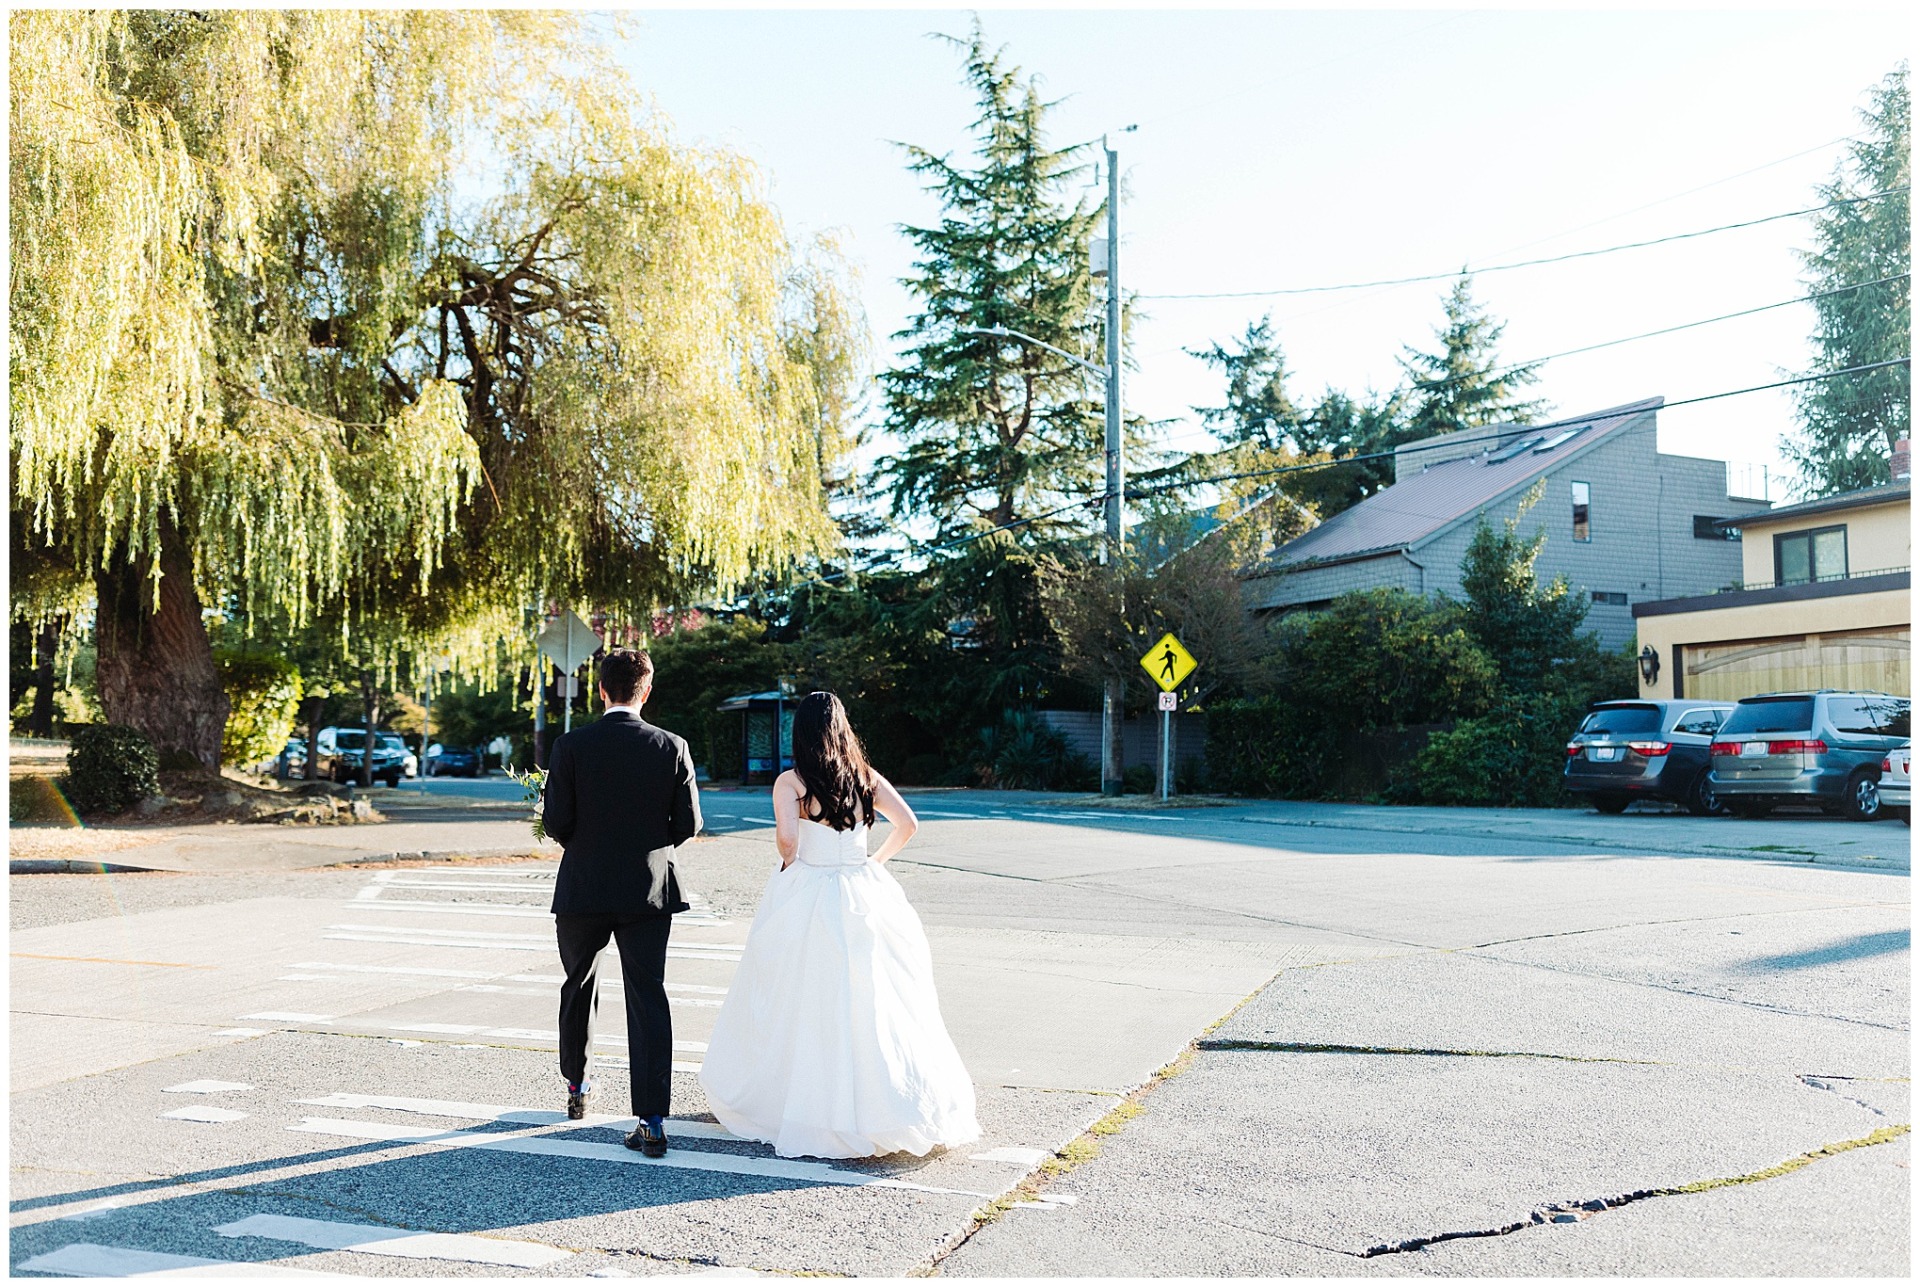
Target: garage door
[1874,660]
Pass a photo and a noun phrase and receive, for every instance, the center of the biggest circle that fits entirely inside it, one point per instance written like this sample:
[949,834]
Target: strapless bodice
[822,846]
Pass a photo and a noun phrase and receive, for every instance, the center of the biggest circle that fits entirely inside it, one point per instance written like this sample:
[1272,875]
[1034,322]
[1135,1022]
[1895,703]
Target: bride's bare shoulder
[789,781]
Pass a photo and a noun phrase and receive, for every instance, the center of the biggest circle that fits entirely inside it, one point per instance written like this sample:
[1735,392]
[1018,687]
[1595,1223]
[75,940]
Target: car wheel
[1702,801]
[1611,803]
[392,781]
[1748,808]
[1861,803]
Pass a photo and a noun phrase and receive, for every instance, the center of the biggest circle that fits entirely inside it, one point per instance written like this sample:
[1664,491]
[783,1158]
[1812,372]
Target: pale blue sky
[1301,147]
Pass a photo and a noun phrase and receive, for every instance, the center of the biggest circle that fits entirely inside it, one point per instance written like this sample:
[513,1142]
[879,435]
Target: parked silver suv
[1821,748]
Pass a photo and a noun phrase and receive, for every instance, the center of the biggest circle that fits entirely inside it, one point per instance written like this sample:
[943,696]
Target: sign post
[571,643]
[1168,663]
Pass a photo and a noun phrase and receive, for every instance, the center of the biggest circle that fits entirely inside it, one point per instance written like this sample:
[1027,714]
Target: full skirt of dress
[830,1041]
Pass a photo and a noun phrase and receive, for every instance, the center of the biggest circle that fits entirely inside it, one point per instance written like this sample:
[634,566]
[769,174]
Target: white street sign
[1169,701]
[569,641]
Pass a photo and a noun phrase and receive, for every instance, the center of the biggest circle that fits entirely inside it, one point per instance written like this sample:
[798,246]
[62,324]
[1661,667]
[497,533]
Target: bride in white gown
[830,1042]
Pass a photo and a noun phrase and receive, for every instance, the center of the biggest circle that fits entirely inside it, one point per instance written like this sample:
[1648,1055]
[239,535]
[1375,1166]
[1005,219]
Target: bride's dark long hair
[831,764]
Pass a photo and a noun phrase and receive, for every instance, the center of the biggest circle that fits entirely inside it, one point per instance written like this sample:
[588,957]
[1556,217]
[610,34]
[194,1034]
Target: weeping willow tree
[387,324]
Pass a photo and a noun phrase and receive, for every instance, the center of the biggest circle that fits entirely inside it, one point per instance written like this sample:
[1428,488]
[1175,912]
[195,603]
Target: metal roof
[1884,494]
[1419,506]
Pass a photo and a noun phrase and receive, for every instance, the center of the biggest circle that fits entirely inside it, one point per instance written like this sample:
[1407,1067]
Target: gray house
[1624,522]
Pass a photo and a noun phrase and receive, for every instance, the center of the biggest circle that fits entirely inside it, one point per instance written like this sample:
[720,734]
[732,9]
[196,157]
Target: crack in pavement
[1815,1082]
[1571,1212]
[1329,1048]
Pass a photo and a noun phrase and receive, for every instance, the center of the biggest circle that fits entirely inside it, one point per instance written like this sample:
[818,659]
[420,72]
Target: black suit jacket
[621,797]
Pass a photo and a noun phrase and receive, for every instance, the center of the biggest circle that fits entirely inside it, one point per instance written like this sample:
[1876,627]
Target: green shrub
[110,768]
[264,691]
[1024,754]
[1513,756]
[1269,746]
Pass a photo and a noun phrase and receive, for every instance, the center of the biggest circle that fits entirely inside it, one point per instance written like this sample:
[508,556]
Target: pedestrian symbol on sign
[1168,663]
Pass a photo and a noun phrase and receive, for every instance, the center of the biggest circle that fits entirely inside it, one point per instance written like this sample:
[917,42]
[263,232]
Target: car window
[1870,716]
[1703,720]
[349,738]
[1770,715]
[1623,719]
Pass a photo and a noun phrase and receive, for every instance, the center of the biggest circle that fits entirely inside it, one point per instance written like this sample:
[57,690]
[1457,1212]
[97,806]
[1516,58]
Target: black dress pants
[643,963]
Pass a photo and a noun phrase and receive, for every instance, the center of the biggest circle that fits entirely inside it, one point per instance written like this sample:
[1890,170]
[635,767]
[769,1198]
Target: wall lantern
[1649,664]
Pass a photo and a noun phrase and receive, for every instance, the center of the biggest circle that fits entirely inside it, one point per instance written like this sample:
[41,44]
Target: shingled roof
[1420,505]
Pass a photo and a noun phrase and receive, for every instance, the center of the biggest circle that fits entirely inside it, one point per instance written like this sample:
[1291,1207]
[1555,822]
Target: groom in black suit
[621,798]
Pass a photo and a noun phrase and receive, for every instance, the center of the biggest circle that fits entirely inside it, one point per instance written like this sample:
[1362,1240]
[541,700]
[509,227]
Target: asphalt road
[1451,1039]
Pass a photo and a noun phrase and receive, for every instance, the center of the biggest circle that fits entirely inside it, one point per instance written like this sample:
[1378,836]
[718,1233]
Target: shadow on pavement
[1848,949]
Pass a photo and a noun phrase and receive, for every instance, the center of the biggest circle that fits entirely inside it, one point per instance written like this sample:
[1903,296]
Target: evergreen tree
[1525,627]
[997,429]
[1462,386]
[1849,424]
[1263,428]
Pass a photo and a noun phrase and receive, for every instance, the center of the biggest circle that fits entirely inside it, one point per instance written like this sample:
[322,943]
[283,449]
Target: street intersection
[1448,1042]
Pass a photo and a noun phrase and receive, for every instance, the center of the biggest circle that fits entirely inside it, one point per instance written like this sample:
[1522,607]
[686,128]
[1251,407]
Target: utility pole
[1113,708]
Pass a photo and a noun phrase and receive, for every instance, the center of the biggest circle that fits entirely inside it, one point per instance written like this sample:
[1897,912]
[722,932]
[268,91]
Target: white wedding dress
[830,1042]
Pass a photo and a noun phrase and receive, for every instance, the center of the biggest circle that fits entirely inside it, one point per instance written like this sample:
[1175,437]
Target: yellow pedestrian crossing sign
[1168,663]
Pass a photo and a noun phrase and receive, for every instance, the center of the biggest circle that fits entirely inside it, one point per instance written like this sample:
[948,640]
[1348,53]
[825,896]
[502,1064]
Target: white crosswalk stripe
[92,1260]
[676,1126]
[777,1168]
[377,1240]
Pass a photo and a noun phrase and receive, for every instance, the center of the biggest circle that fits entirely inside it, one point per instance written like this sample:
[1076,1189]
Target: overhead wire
[1514,367]
[1091,499]
[1532,263]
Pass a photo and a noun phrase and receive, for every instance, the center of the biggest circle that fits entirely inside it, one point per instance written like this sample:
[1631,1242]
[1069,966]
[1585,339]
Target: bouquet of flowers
[534,782]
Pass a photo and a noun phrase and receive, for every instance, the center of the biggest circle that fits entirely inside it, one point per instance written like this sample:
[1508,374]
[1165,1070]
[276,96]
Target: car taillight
[1573,748]
[1651,748]
[1724,748]
[1886,765]
[1815,747]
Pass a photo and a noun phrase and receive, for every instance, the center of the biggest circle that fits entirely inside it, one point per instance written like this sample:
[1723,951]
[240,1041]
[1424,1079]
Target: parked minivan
[1645,750]
[1822,748]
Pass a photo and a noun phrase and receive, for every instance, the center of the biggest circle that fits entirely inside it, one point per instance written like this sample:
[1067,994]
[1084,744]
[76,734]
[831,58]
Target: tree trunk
[370,710]
[40,722]
[155,666]
[315,707]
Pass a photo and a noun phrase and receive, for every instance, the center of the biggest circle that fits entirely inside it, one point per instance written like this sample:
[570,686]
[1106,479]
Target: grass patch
[1885,1135]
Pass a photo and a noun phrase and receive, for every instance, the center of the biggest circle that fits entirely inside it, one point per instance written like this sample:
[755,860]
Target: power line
[1532,263]
[1511,368]
[1509,431]
[1096,498]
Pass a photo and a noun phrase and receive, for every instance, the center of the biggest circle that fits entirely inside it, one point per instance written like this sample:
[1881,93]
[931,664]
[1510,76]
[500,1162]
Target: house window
[1616,597]
[1816,555]
[1582,528]
[1707,528]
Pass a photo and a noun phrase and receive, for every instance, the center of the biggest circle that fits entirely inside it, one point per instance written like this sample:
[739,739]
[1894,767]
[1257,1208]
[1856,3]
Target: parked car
[341,751]
[1645,750]
[1822,748]
[409,762]
[1896,782]
[453,761]
[292,760]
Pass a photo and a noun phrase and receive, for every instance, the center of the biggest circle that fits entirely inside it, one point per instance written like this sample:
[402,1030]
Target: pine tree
[1462,386]
[1849,424]
[1263,428]
[996,429]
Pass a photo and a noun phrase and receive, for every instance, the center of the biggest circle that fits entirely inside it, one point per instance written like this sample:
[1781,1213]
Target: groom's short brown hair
[623,673]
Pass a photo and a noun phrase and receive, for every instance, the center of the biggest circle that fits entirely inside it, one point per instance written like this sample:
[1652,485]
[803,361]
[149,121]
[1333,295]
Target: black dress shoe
[576,1104]
[647,1141]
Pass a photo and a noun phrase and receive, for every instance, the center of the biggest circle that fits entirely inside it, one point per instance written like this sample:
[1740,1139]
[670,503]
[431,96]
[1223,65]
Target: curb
[43,866]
